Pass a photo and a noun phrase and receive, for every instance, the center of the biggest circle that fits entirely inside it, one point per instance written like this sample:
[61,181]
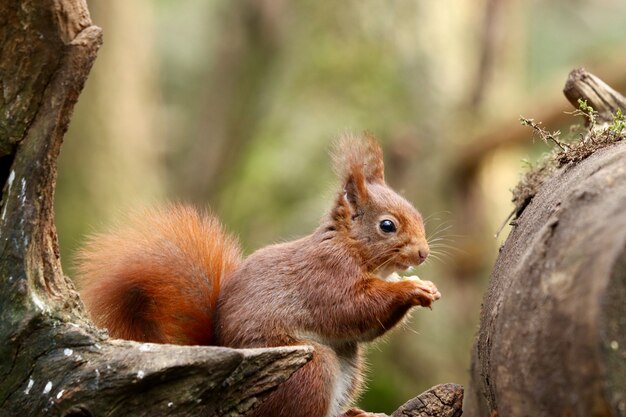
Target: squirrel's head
[386,230]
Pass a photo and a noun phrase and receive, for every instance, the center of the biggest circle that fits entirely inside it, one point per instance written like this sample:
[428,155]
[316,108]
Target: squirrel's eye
[387,226]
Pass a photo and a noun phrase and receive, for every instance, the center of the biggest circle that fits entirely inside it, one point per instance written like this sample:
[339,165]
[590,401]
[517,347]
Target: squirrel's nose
[418,253]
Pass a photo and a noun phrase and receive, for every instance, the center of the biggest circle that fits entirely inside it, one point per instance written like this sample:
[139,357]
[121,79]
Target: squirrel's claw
[427,292]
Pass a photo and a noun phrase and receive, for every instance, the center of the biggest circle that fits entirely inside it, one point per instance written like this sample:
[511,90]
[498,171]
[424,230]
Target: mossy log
[54,361]
[552,337]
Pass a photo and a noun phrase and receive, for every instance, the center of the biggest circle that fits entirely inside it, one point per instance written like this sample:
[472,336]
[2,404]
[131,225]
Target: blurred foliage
[233,105]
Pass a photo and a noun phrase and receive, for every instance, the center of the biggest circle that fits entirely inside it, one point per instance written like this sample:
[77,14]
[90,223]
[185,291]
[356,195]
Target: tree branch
[582,85]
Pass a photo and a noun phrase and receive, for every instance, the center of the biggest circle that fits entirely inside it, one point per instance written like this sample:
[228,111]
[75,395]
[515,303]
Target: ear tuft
[357,161]
[359,158]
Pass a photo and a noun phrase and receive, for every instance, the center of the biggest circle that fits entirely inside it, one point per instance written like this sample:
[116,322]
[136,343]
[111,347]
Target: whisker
[440,246]
[454,249]
[450,236]
[432,216]
[439,232]
[445,251]
[382,256]
[433,260]
[440,226]
[444,224]
[435,256]
[441,256]
[434,248]
[441,243]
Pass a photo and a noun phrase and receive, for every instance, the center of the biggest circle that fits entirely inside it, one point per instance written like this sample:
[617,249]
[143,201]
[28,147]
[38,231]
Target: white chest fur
[344,381]
[345,358]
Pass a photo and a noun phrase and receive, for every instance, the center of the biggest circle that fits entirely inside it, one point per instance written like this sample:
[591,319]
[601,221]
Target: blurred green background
[233,105]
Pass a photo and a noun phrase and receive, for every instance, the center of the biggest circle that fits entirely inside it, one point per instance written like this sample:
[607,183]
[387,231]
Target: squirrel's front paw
[425,292]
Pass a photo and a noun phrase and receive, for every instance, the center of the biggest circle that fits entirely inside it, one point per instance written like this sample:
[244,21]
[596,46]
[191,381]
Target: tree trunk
[54,361]
[552,337]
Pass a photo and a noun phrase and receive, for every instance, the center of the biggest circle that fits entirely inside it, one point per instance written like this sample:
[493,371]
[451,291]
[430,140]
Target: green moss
[566,151]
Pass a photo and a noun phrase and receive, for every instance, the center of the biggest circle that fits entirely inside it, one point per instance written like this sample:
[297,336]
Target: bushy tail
[157,278]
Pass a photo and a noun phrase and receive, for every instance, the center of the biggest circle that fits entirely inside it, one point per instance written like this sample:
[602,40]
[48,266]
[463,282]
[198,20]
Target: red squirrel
[174,276]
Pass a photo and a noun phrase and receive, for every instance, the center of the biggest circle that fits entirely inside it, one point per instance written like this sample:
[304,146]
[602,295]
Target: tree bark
[552,337]
[444,400]
[585,86]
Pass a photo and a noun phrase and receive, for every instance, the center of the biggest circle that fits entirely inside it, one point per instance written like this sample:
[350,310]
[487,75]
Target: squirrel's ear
[355,192]
[350,162]
[355,160]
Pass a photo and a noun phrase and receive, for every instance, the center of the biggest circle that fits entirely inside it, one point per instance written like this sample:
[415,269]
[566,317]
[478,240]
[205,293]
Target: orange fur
[157,279]
[359,158]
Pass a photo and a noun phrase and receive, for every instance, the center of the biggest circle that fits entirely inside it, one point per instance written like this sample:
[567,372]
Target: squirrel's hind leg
[308,392]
